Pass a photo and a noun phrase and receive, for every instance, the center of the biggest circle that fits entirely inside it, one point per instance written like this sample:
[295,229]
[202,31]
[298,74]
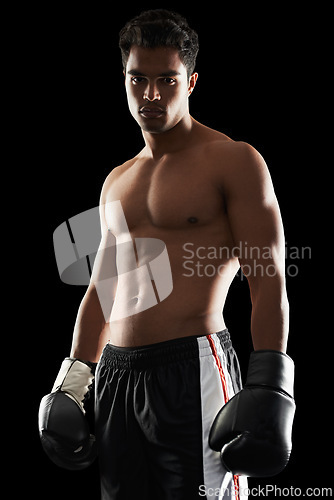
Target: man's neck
[171,141]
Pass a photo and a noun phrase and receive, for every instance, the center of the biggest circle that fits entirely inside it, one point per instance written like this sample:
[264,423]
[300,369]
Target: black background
[256,84]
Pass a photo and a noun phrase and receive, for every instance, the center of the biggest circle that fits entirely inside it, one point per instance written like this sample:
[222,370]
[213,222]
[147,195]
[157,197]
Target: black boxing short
[154,409]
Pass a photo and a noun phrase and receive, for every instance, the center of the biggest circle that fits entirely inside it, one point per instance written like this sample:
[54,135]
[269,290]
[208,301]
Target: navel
[192,220]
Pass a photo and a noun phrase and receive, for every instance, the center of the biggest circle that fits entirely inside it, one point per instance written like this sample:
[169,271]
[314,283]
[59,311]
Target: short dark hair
[160,28]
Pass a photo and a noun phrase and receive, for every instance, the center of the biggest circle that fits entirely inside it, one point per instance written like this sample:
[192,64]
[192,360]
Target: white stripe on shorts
[218,482]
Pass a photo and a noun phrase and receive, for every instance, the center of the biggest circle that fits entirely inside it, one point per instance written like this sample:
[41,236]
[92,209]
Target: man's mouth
[151,111]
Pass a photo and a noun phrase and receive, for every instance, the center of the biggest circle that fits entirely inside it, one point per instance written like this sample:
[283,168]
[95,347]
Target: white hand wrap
[74,378]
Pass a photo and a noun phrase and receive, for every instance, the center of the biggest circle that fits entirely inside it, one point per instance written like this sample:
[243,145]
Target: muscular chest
[167,195]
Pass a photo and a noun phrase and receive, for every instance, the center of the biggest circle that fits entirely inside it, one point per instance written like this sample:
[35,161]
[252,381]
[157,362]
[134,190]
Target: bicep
[105,261]
[254,214]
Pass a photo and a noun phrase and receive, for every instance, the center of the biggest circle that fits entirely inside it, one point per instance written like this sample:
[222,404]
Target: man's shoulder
[217,143]
[119,169]
[233,162]
[113,175]
[226,153]
[225,146]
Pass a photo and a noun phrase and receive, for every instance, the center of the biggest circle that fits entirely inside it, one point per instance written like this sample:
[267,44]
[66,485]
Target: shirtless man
[165,373]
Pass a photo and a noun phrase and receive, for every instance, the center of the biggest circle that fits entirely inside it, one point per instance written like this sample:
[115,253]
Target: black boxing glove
[253,430]
[63,427]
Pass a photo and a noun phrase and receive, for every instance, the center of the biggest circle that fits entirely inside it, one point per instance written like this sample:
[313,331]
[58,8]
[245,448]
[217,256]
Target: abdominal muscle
[145,312]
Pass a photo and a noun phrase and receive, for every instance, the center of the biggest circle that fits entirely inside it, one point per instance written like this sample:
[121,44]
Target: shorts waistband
[158,354]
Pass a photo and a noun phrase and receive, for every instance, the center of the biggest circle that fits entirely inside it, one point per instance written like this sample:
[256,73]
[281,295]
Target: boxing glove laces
[63,426]
[253,429]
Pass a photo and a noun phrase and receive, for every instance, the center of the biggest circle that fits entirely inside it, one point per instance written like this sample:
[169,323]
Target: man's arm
[91,330]
[257,229]
[63,427]
[253,429]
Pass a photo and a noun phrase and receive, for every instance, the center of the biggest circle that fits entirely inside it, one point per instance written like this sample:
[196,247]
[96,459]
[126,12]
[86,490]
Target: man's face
[157,88]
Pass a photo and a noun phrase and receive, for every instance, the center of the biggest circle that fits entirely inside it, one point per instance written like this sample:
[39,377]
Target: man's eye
[137,79]
[170,81]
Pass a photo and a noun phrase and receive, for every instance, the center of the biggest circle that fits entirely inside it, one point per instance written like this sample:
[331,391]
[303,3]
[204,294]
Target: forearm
[270,314]
[91,329]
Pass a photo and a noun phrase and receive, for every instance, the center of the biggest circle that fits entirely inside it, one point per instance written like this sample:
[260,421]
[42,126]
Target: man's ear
[192,83]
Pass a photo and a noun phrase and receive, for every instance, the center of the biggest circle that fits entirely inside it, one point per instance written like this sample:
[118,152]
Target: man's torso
[179,200]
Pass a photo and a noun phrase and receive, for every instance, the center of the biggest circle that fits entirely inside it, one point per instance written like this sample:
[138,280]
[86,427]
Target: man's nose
[152,93]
